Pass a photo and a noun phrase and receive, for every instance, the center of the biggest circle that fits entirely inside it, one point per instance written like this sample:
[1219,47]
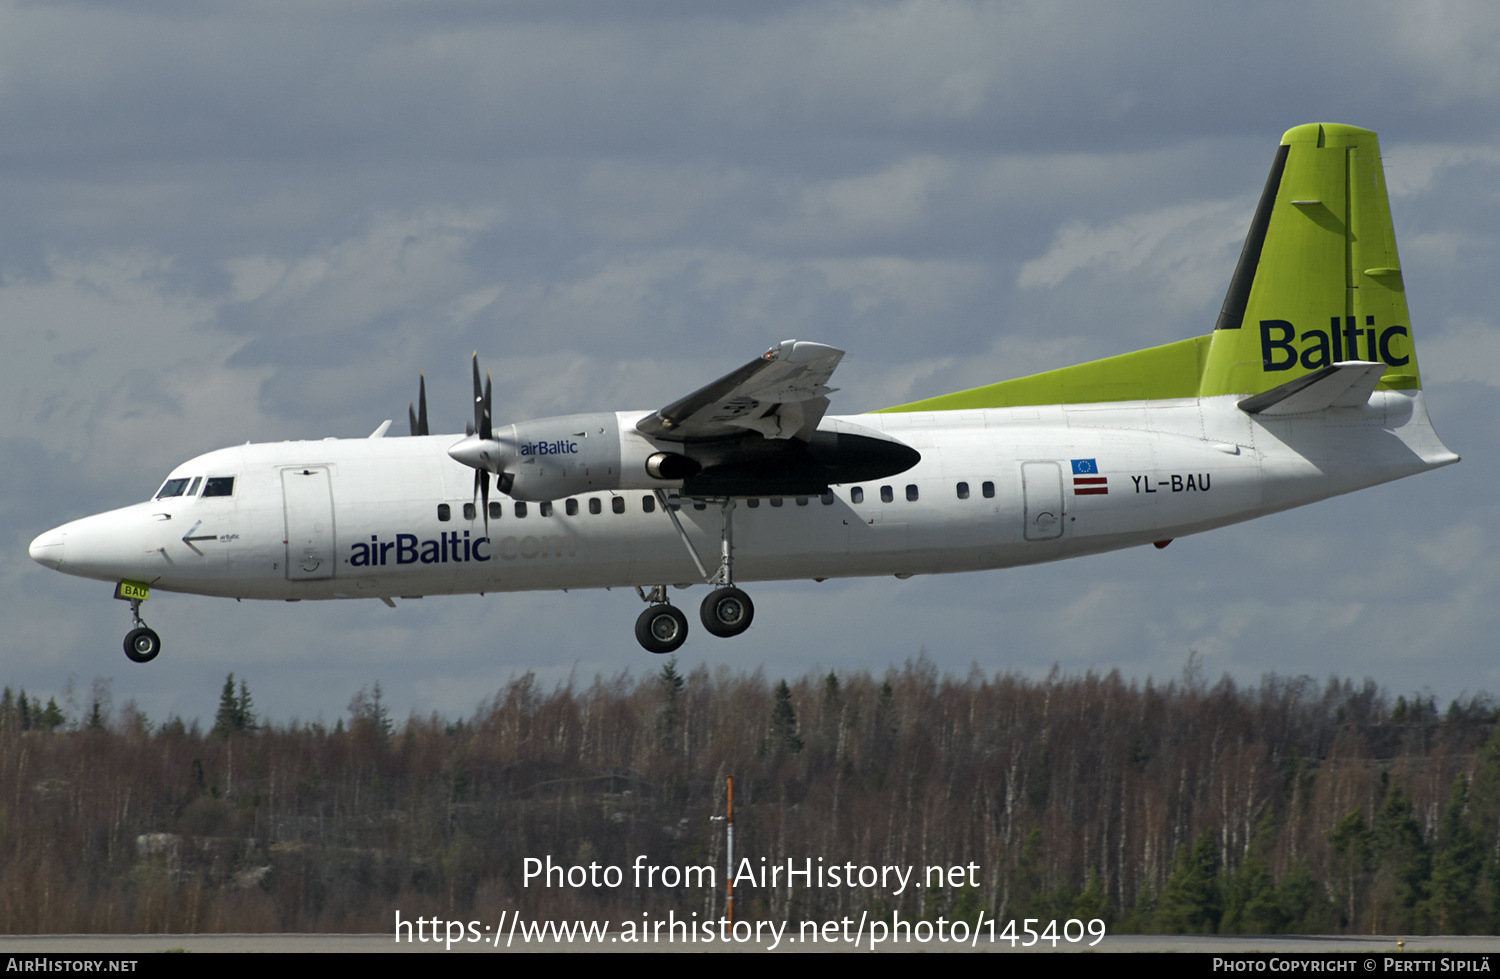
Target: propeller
[482,403]
[480,450]
[418,418]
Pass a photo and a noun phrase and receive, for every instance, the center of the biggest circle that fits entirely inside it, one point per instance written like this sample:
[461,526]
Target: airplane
[1307,388]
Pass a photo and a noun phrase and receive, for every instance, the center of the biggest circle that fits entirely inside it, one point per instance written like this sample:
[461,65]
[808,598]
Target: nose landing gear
[141,643]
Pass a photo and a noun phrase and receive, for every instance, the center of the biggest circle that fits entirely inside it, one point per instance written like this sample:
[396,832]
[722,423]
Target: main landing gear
[662,628]
[726,611]
[141,643]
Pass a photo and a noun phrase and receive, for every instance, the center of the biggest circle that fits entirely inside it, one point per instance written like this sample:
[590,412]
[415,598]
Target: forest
[1292,806]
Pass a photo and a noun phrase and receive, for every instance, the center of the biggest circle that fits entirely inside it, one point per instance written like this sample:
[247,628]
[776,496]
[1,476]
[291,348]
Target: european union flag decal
[1085,467]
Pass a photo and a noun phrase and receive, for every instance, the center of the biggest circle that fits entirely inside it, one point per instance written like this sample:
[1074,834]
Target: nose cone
[105,546]
[47,549]
[475,453]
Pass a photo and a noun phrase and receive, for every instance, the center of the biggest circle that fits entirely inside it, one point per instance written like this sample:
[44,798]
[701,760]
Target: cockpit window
[193,489]
[172,487]
[219,486]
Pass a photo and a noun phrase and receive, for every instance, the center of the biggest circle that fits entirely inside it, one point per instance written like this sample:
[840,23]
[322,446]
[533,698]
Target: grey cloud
[228,222]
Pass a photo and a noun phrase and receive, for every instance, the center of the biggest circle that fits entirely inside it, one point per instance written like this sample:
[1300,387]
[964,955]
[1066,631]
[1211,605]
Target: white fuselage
[345,518]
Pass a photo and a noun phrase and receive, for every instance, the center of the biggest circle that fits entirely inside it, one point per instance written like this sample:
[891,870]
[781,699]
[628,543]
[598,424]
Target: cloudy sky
[227,221]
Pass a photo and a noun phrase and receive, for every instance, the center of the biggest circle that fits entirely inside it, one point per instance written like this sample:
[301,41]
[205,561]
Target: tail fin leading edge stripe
[1232,315]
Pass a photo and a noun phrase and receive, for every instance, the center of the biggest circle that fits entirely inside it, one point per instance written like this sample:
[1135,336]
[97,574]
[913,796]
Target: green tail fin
[1318,282]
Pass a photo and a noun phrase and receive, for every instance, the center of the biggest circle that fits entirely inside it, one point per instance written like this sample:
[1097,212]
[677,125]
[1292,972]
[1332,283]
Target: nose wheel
[142,644]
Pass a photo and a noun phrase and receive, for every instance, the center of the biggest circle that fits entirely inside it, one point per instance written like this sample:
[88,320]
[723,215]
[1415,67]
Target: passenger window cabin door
[1042,486]
[308,497]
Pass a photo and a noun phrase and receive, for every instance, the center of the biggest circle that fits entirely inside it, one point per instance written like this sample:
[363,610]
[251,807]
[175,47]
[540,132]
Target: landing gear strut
[141,643]
[726,611]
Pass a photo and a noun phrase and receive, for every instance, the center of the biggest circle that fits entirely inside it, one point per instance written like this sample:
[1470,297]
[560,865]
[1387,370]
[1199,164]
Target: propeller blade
[485,431]
[478,399]
[418,419]
[482,491]
[484,497]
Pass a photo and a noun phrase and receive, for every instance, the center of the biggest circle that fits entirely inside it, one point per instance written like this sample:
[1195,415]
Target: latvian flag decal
[1086,479]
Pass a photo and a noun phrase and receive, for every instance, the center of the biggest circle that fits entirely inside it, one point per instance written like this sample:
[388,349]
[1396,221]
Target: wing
[780,394]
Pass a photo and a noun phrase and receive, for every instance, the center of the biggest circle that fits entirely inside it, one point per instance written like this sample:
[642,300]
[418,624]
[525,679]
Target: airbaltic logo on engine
[1341,341]
[558,448]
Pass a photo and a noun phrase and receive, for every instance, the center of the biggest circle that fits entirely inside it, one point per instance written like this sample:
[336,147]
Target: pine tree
[667,721]
[1484,823]
[1456,866]
[1026,883]
[1352,854]
[782,738]
[1403,862]
[52,718]
[1092,901]
[225,721]
[382,714]
[968,905]
[886,727]
[244,708]
[366,709]
[1250,900]
[235,715]
[1303,904]
[1190,903]
[828,731]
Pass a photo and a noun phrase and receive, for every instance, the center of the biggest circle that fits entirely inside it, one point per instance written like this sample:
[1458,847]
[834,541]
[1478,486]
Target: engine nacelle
[552,458]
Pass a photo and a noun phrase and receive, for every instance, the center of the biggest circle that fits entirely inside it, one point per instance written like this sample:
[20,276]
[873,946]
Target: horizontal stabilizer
[1347,384]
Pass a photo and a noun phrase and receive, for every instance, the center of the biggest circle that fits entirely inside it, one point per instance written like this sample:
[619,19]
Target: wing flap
[782,394]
